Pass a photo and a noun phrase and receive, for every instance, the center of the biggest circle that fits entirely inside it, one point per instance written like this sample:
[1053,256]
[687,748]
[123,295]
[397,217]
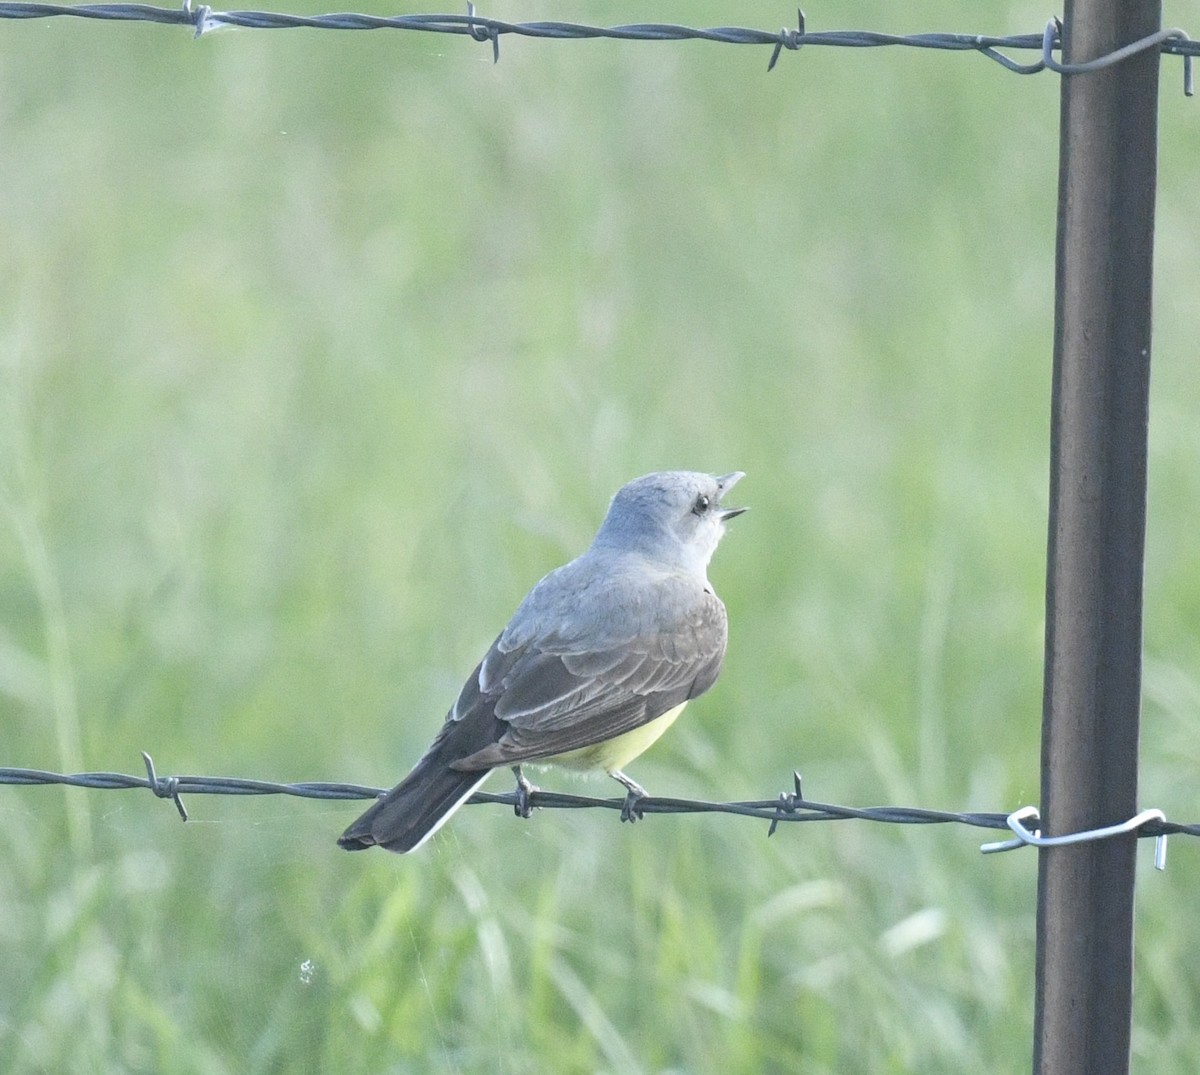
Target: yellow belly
[619,751]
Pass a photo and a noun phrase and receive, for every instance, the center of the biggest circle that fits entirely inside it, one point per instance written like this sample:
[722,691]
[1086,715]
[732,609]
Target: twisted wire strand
[203,20]
[789,806]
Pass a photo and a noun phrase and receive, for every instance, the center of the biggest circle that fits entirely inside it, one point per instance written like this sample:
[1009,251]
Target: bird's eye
[701,505]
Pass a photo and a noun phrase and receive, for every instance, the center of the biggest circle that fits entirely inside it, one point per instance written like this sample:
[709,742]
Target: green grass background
[318,349]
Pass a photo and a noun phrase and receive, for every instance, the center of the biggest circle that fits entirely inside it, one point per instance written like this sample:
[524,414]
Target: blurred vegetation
[318,349]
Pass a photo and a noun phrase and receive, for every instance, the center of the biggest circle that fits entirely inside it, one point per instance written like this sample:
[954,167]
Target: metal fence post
[1107,172]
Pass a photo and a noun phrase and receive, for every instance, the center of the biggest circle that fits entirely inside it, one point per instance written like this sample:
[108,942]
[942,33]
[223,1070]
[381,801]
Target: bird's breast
[616,753]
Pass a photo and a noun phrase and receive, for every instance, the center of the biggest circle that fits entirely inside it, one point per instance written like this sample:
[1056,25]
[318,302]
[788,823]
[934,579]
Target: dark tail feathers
[404,818]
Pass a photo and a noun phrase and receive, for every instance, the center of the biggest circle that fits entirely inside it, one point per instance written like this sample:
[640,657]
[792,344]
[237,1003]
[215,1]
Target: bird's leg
[523,807]
[634,792]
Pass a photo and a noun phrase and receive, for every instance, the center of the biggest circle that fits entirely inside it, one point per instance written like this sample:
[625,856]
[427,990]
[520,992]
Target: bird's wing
[549,694]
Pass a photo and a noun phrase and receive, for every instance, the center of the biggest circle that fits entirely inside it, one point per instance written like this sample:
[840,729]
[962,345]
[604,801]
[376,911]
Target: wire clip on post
[1024,835]
[1052,39]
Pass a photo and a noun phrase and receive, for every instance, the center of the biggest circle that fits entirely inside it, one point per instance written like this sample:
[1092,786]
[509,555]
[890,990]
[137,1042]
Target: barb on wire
[203,19]
[788,806]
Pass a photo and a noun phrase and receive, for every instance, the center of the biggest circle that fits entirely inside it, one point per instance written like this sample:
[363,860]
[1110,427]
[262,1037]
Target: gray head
[674,516]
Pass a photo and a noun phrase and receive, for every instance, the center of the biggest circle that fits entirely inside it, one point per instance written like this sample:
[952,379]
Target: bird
[596,663]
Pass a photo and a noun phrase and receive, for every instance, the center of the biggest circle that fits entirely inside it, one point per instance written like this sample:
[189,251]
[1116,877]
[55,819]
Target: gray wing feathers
[558,691]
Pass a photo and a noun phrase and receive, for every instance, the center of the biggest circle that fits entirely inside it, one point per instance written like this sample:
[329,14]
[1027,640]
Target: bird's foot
[634,793]
[523,807]
[630,810]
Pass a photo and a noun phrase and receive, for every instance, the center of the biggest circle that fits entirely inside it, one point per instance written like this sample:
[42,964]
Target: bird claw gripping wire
[631,809]
[523,805]
[1024,835]
[165,787]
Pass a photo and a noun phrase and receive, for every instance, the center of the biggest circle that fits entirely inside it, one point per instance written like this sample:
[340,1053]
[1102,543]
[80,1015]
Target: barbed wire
[789,806]
[202,19]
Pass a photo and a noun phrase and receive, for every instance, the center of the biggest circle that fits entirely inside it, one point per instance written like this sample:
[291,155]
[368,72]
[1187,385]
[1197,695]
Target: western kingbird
[596,663]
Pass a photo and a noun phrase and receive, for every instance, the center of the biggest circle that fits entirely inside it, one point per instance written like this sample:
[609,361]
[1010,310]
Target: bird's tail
[404,818]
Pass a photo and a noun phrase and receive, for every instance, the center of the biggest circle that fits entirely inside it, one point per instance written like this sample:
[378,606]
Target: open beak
[725,484]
